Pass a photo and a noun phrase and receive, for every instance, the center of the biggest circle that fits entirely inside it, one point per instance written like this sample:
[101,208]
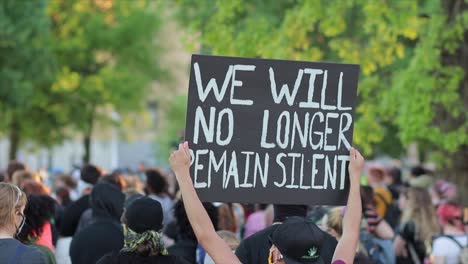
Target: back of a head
[367,197]
[143,214]
[450,214]
[115,179]
[299,240]
[144,222]
[446,191]
[20,176]
[417,171]
[67,180]
[230,238]
[107,201]
[39,210]
[376,174]
[395,173]
[418,208]
[12,199]
[335,220]
[63,195]
[34,187]
[282,212]
[183,223]
[155,181]
[90,174]
[14,166]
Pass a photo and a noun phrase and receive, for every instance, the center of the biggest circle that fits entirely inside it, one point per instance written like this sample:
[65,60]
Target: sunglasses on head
[18,197]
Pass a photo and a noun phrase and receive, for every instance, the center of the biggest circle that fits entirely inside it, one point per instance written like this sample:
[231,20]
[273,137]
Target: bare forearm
[202,225]
[196,213]
[352,218]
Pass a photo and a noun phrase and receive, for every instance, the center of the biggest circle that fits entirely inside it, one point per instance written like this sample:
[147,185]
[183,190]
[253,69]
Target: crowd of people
[155,216]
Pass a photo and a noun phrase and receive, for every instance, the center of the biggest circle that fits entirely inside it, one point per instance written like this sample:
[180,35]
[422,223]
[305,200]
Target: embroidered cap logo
[311,254]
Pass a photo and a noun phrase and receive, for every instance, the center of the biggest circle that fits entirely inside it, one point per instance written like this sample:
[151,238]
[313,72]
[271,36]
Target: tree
[429,97]
[412,56]
[107,57]
[27,68]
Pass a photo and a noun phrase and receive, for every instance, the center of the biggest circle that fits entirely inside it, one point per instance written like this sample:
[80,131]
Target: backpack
[380,251]
[392,214]
[463,257]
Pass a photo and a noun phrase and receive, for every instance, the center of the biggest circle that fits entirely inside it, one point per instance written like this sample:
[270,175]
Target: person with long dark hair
[38,212]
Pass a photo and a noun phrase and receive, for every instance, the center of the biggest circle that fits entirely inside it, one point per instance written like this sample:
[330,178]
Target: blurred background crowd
[71,217]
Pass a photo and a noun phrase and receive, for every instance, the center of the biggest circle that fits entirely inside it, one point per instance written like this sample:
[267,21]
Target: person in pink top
[280,252]
[45,239]
[256,221]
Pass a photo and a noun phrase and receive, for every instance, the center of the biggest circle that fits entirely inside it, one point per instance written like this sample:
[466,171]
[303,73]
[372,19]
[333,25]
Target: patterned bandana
[153,239]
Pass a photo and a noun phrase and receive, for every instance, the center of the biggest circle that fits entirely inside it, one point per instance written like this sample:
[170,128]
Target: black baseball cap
[299,240]
[144,214]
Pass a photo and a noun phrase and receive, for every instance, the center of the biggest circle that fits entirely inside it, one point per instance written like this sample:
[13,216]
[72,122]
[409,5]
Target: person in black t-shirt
[143,242]
[256,248]
[72,214]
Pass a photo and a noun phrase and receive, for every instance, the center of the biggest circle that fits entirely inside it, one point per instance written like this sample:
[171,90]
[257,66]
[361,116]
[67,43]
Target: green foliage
[27,68]
[397,43]
[70,64]
[172,126]
[107,56]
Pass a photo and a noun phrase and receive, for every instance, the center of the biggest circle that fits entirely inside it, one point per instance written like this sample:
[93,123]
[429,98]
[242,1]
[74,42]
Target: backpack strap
[14,259]
[454,240]
[382,198]
[413,254]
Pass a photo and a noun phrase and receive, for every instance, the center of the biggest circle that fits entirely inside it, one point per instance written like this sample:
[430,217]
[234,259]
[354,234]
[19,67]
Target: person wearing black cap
[255,249]
[299,240]
[286,247]
[143,242]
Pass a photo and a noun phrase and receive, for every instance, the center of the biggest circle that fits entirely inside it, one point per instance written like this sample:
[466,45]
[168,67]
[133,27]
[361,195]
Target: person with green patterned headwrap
[143,239]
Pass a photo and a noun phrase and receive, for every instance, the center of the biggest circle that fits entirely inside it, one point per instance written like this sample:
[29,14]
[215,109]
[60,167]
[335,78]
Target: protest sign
[270,131]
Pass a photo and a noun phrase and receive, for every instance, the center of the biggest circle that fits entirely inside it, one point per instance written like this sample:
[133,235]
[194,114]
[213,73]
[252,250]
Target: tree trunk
[457,168]
[14,138]
[87,138]
[457,172]
[87,148]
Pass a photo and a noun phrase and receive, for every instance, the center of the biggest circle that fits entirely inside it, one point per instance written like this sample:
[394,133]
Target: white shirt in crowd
[167,205]
[448,249]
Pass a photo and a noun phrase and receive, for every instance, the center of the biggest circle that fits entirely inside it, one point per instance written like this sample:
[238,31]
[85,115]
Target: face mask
[18,229]
[23,218]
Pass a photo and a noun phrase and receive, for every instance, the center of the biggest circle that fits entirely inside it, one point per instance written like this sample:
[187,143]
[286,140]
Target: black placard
[270,131]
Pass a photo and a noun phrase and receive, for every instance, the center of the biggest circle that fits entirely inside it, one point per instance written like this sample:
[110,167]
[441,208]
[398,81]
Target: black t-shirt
[407,231]
[130,258]
[256,248]
[186,249]
[72,214]
[12,250]
[105,235]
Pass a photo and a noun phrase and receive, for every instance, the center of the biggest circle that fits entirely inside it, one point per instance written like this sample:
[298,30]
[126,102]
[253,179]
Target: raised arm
[347,245]
[218,250]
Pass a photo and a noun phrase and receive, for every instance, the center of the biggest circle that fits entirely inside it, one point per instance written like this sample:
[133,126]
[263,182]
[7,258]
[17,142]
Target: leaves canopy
[404,86]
